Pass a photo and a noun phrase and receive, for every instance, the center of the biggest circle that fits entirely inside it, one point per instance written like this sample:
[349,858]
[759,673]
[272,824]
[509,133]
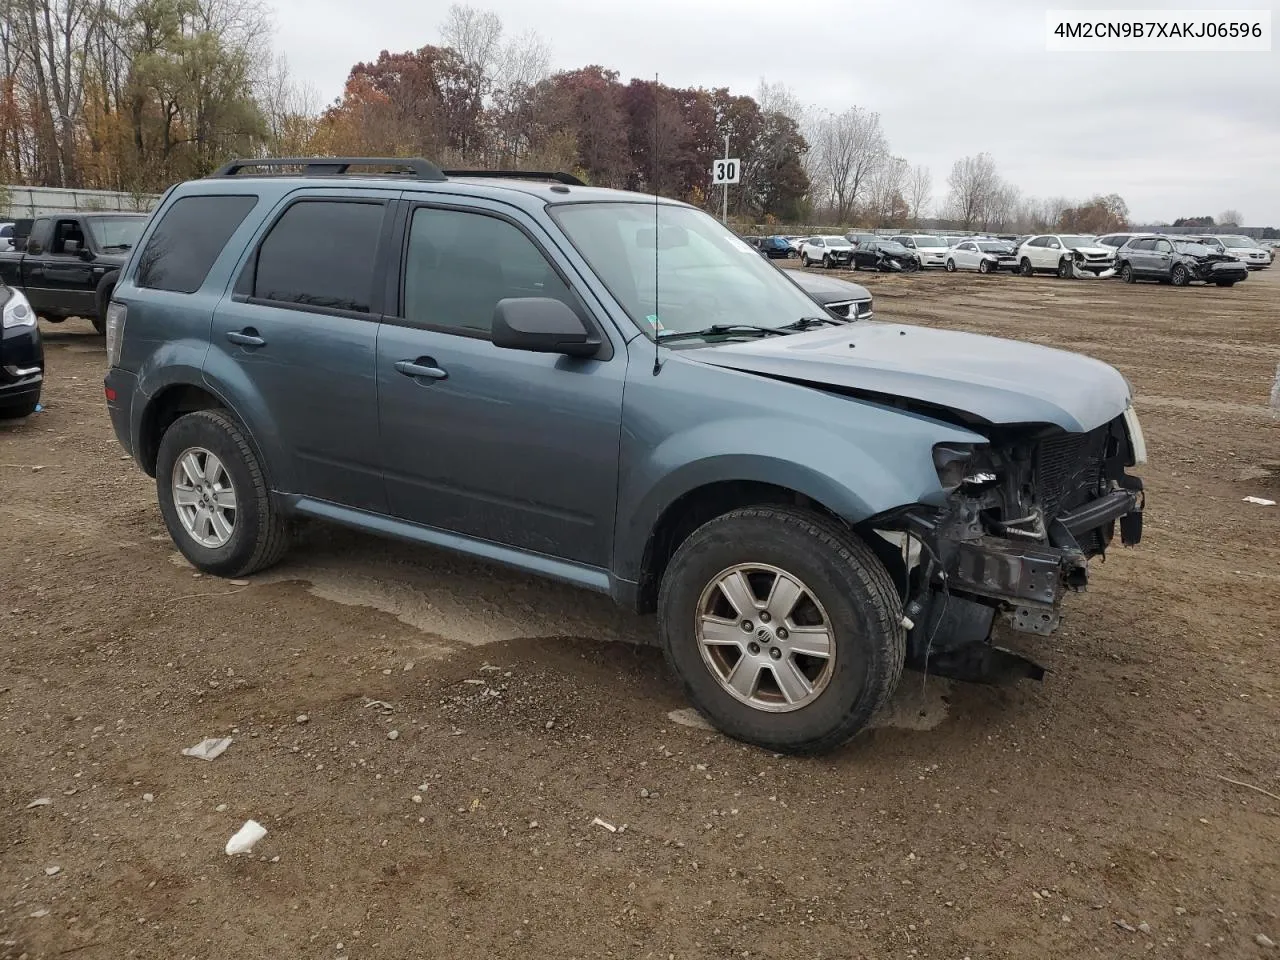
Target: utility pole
[724,201]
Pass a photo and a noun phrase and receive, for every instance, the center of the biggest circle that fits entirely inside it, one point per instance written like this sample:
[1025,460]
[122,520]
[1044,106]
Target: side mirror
[19,243]
[86,254]
[542,325]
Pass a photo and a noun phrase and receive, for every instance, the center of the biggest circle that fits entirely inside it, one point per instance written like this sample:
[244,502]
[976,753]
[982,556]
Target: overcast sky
[1175,134]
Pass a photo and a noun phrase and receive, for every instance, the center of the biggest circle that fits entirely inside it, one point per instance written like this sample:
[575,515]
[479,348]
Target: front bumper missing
[1026,579]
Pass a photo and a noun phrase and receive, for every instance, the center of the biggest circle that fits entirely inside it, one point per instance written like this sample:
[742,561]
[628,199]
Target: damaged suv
[622,395]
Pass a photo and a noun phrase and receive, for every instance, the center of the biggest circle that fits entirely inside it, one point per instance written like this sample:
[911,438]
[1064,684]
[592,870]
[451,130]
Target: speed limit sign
[726,171]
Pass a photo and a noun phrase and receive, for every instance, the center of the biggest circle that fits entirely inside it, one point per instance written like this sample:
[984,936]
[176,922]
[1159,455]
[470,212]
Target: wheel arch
[175,400]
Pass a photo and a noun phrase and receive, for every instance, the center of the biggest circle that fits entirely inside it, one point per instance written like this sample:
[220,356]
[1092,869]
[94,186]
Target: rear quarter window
[187,240]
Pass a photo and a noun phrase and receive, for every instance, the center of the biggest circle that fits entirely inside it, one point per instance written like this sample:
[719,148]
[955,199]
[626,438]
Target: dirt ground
[1084,816]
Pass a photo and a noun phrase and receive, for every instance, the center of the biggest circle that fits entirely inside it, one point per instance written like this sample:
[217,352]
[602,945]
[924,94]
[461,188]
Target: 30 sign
[726,171]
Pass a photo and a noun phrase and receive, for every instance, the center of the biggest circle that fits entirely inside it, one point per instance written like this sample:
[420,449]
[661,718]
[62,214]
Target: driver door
[1050,254]
[512,447]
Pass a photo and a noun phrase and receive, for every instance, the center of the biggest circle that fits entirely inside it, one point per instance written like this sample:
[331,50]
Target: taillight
[117,313]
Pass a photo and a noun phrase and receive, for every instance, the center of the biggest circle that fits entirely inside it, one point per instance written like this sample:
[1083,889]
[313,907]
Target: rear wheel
[783,627]
[1025,267]
[214,496]
[1180,276]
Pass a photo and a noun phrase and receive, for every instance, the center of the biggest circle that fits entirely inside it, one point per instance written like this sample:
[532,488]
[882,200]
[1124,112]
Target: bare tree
[845,149]
[476,36]
[885,204]
[1230,218]
[973,184]
[919,191]
[779,98]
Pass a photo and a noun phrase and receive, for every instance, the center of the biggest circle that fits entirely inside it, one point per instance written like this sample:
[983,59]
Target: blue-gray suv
[615,391]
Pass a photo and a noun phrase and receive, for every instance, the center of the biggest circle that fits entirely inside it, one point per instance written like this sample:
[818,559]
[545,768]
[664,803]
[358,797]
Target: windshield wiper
[117,246]
[722,329]
[808,323]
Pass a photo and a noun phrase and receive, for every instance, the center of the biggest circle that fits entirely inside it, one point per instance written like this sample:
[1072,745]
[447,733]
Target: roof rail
[415,167]
[568,179]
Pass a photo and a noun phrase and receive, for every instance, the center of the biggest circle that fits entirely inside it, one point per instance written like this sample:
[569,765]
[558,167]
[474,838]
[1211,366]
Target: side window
[40,237]
[68,238]
[1147,244]
[188,238]
[1037,242]
[458,265]
[1164,246]
[321,253]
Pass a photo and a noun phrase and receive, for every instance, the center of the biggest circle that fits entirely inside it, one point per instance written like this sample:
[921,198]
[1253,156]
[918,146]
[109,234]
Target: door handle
[422,367]
[246,338]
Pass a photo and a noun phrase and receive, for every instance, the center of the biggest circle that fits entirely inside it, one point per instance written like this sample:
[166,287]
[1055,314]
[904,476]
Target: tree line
[134,95]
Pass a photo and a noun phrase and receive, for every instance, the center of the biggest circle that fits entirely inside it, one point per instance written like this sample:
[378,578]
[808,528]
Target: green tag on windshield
[655,322]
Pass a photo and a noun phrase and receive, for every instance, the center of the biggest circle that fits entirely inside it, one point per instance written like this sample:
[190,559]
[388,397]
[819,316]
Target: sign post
[725,172]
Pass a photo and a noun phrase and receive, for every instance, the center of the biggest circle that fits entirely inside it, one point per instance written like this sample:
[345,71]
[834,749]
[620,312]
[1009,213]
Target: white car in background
[931,250]
[1242,248]
[1069,255]
[983,255]
[6,237]
[828,251]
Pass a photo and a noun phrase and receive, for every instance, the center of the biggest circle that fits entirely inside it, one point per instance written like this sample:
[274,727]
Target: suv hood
[999,381]
[828,289]
[1094,250]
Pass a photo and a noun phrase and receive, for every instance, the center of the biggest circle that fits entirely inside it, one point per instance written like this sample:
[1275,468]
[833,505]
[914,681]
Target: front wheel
[951,265]
[826,262]
[1180,277]
[1064,269]
[783,627]
[1024,267]
[804,260]
[18,411]
[984,266]
[215,498]
[1126,274]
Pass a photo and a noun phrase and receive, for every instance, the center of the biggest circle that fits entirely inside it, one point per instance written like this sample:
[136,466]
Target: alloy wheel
[765,637]
[204,497]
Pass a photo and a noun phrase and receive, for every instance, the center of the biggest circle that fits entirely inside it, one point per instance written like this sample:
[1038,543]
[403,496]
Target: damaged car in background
[647,409]
[1070,256]
[1178,261]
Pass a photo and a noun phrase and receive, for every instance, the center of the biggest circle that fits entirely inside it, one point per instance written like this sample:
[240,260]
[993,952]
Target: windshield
[705,275]
[1078,241]
[116,233]
[928,241]
[1237,242]
[837,242]
[891,246]
[995,247]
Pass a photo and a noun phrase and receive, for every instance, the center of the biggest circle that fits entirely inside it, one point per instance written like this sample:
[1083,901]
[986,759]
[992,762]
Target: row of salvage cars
[1176,259]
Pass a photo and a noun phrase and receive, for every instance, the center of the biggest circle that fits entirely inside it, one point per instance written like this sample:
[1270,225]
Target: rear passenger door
[299,333]
[516,448]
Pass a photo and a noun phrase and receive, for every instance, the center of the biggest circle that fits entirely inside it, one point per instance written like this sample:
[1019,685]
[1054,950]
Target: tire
[911,266]
[1064,269]
[804,259]
[826,262]
[18,411]
[951,265]
[843,583]
[791,254]
[259,534]
[984,266]
[1024,267]
[1179,276]
[1126,273]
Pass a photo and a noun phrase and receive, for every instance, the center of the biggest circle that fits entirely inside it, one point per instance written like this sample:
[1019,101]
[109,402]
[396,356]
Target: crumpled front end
[1215,267]
[1086,265]
[1022,519]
